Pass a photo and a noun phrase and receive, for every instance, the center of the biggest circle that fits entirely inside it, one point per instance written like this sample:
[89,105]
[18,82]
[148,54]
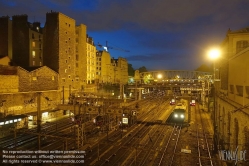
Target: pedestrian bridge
[173,75]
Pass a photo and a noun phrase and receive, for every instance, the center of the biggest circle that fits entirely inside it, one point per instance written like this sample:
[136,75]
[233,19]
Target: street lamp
[159,76]
[214,54]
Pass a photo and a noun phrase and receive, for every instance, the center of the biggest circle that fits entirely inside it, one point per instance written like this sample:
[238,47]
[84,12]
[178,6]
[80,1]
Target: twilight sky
[160,34]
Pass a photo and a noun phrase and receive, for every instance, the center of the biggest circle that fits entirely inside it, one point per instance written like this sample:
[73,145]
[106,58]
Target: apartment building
[81,56]
[21,40]
[59,49]
[91,60]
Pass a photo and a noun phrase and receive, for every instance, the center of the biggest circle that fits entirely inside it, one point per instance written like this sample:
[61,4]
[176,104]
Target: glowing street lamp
[214,54]
[159,76]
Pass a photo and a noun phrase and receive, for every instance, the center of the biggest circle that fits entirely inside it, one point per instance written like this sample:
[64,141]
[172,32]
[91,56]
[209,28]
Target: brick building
[81,58]
[59,49]
[232,91]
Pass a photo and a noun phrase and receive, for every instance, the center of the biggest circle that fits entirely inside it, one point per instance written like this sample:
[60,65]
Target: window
[241,45]
[40,63]
[77,65]
[239,90]
[33,63]
[69,67]
[66,60]
[33,36]
[65,70]
[69,76]
[77,57]
[52,77]
[33,54]
[33,44]
[63,79]
[34,78]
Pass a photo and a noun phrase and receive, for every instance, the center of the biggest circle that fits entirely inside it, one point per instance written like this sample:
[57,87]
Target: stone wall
[26,102]
[41,79]
[9,83]
[231,124]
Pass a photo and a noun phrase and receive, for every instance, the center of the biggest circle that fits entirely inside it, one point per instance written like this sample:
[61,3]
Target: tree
[131,70]
[142,69]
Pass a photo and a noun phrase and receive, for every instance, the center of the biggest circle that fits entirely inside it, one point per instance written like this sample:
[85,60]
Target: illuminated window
[33,54]
[65,70]
[1,123]
[52,77]
[33,44]
[11,121]
[15,120]
[34,78]
[6,122]
[19,119]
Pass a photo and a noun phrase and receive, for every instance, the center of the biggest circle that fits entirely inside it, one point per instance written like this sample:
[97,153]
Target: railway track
[166,156]
[204,142]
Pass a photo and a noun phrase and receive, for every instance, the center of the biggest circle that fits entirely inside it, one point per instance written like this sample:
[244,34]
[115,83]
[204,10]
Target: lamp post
[214,54]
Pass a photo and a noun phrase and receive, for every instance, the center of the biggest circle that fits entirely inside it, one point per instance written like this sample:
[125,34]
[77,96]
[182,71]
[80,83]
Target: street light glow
[214,54]
[159,76]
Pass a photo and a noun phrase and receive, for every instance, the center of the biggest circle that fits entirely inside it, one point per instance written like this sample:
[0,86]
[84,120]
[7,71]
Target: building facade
[59,49]
[91,60]
[6,36]
[26,42]
[81,58]
[232,91]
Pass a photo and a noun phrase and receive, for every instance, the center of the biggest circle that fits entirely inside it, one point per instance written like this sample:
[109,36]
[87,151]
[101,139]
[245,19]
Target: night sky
[160,34]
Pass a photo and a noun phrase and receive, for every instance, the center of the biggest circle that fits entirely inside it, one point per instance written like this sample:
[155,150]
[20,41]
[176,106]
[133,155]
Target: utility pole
[39,119]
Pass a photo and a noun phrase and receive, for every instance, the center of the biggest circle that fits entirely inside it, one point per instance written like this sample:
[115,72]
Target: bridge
[172,75]
[173,81]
